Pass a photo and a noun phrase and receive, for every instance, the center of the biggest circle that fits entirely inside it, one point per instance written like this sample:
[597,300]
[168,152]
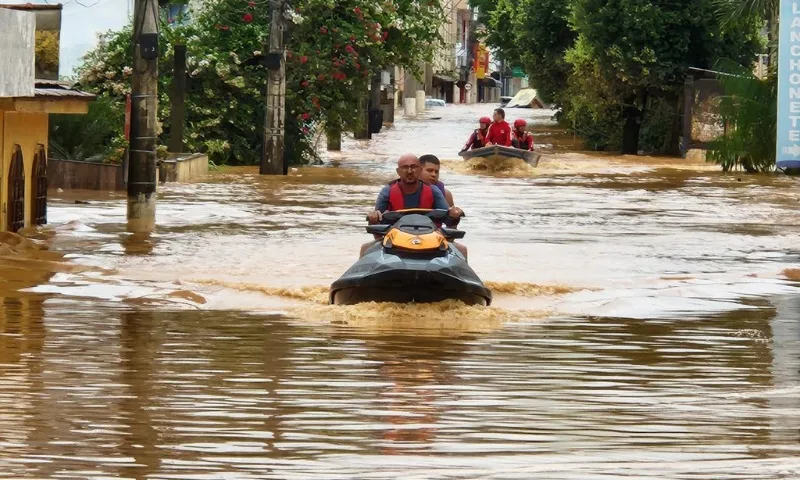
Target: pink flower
[306,116]
[303,59]
[385,34]
[247,17]
[304,83]
[323,30]
[251,4]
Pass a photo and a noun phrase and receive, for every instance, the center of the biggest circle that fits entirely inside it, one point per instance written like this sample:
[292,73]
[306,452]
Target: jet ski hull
[383,276]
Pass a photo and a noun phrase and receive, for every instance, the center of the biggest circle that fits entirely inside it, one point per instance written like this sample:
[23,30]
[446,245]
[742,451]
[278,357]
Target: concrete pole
[334,140]
[375,114]
[275,114]
[420,101]
[391,93]
[178,100]
[410,107]
[144,107]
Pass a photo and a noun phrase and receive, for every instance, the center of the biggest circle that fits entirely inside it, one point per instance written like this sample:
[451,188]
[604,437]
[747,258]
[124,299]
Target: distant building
[26,100]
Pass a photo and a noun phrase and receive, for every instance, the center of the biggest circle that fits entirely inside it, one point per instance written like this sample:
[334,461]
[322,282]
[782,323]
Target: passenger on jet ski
[410,192]
[430,175]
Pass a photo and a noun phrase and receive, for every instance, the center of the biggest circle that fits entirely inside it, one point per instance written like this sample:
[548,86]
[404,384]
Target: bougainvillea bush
[333,47]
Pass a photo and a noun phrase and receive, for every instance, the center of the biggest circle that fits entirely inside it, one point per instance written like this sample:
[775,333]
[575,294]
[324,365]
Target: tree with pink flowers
[333,47]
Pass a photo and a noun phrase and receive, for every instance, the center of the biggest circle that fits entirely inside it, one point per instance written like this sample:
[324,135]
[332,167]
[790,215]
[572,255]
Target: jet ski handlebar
[389,218]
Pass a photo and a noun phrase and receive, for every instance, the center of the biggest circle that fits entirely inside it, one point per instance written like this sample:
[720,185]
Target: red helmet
[485,120]
[520,123]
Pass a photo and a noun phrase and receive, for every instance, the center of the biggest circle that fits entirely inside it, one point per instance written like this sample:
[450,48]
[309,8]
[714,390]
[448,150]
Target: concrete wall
[17,39]
[185,169]
[29,131]
[70,174]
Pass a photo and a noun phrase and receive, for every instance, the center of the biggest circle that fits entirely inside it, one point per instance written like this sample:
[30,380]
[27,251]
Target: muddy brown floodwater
[646,325]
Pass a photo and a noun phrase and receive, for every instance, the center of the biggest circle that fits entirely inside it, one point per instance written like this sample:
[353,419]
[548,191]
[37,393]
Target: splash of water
[792,274]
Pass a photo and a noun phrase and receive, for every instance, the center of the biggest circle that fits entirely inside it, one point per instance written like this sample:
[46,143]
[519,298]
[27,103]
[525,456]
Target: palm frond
[749,108]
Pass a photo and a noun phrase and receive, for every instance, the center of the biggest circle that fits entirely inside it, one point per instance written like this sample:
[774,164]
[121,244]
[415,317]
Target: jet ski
[414,261]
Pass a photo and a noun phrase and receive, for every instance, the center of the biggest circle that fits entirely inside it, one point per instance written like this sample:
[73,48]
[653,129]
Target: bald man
[408,191]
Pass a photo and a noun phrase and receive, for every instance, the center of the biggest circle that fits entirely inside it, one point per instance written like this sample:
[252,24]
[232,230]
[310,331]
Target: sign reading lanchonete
[788,143]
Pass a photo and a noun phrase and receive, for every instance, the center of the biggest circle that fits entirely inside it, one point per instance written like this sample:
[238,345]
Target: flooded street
[645,325]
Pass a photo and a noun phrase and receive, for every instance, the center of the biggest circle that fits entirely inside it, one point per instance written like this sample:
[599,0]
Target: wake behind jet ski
[414,261]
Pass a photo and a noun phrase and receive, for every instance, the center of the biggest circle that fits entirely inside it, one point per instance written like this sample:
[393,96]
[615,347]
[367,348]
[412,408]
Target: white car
[434,102]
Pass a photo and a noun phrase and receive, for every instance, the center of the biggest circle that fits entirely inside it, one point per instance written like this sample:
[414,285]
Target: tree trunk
[630,131]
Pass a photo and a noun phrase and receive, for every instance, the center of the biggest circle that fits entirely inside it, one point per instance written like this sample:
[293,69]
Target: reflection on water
[644,326]
[192,394]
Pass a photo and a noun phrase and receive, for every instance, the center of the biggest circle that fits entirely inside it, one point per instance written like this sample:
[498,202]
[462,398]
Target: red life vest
[525,140]
[397,202]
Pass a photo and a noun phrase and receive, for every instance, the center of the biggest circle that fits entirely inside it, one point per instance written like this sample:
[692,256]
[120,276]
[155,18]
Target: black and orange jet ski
[414,261]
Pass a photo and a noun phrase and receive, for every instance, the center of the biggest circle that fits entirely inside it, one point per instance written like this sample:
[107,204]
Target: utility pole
[178,100]
[275,115]
[375,113]
[144,107]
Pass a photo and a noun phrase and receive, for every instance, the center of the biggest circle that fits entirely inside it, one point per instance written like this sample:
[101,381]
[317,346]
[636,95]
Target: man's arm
[449,197]
[440,203]
[469,142]
[489,135]
[381,205]
[382,202]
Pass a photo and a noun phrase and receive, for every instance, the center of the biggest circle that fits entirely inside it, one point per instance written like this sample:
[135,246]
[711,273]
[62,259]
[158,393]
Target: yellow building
[23,148]
[25,104]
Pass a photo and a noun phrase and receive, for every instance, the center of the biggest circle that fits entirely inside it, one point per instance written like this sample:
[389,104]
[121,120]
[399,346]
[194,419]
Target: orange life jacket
[397,202]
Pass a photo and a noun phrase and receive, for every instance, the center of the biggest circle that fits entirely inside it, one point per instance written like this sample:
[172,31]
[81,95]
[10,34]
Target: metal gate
[39,194]
[16,192]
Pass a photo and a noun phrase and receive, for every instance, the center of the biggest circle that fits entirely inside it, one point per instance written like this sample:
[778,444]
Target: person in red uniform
[500,131]
[478,137]
[521,138]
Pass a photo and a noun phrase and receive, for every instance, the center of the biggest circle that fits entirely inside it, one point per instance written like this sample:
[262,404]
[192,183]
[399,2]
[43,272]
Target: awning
[444,78]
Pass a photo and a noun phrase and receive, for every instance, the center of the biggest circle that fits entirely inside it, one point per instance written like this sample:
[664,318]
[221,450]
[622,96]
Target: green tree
[333,47]
[643,50]
[749,108]
[542,31]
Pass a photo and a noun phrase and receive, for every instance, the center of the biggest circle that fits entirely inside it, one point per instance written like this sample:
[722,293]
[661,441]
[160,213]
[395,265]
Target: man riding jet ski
[415,258]
[408,191]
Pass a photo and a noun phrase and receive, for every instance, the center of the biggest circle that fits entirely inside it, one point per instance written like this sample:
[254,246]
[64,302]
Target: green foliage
[332,49]
[749,108]
[605,61]
[542,30]
[96,136]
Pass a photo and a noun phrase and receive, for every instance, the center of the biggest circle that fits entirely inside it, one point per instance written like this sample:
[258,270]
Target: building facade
[25,105]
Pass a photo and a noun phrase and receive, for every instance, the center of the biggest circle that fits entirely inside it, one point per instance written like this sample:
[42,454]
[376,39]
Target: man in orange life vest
[410,192]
